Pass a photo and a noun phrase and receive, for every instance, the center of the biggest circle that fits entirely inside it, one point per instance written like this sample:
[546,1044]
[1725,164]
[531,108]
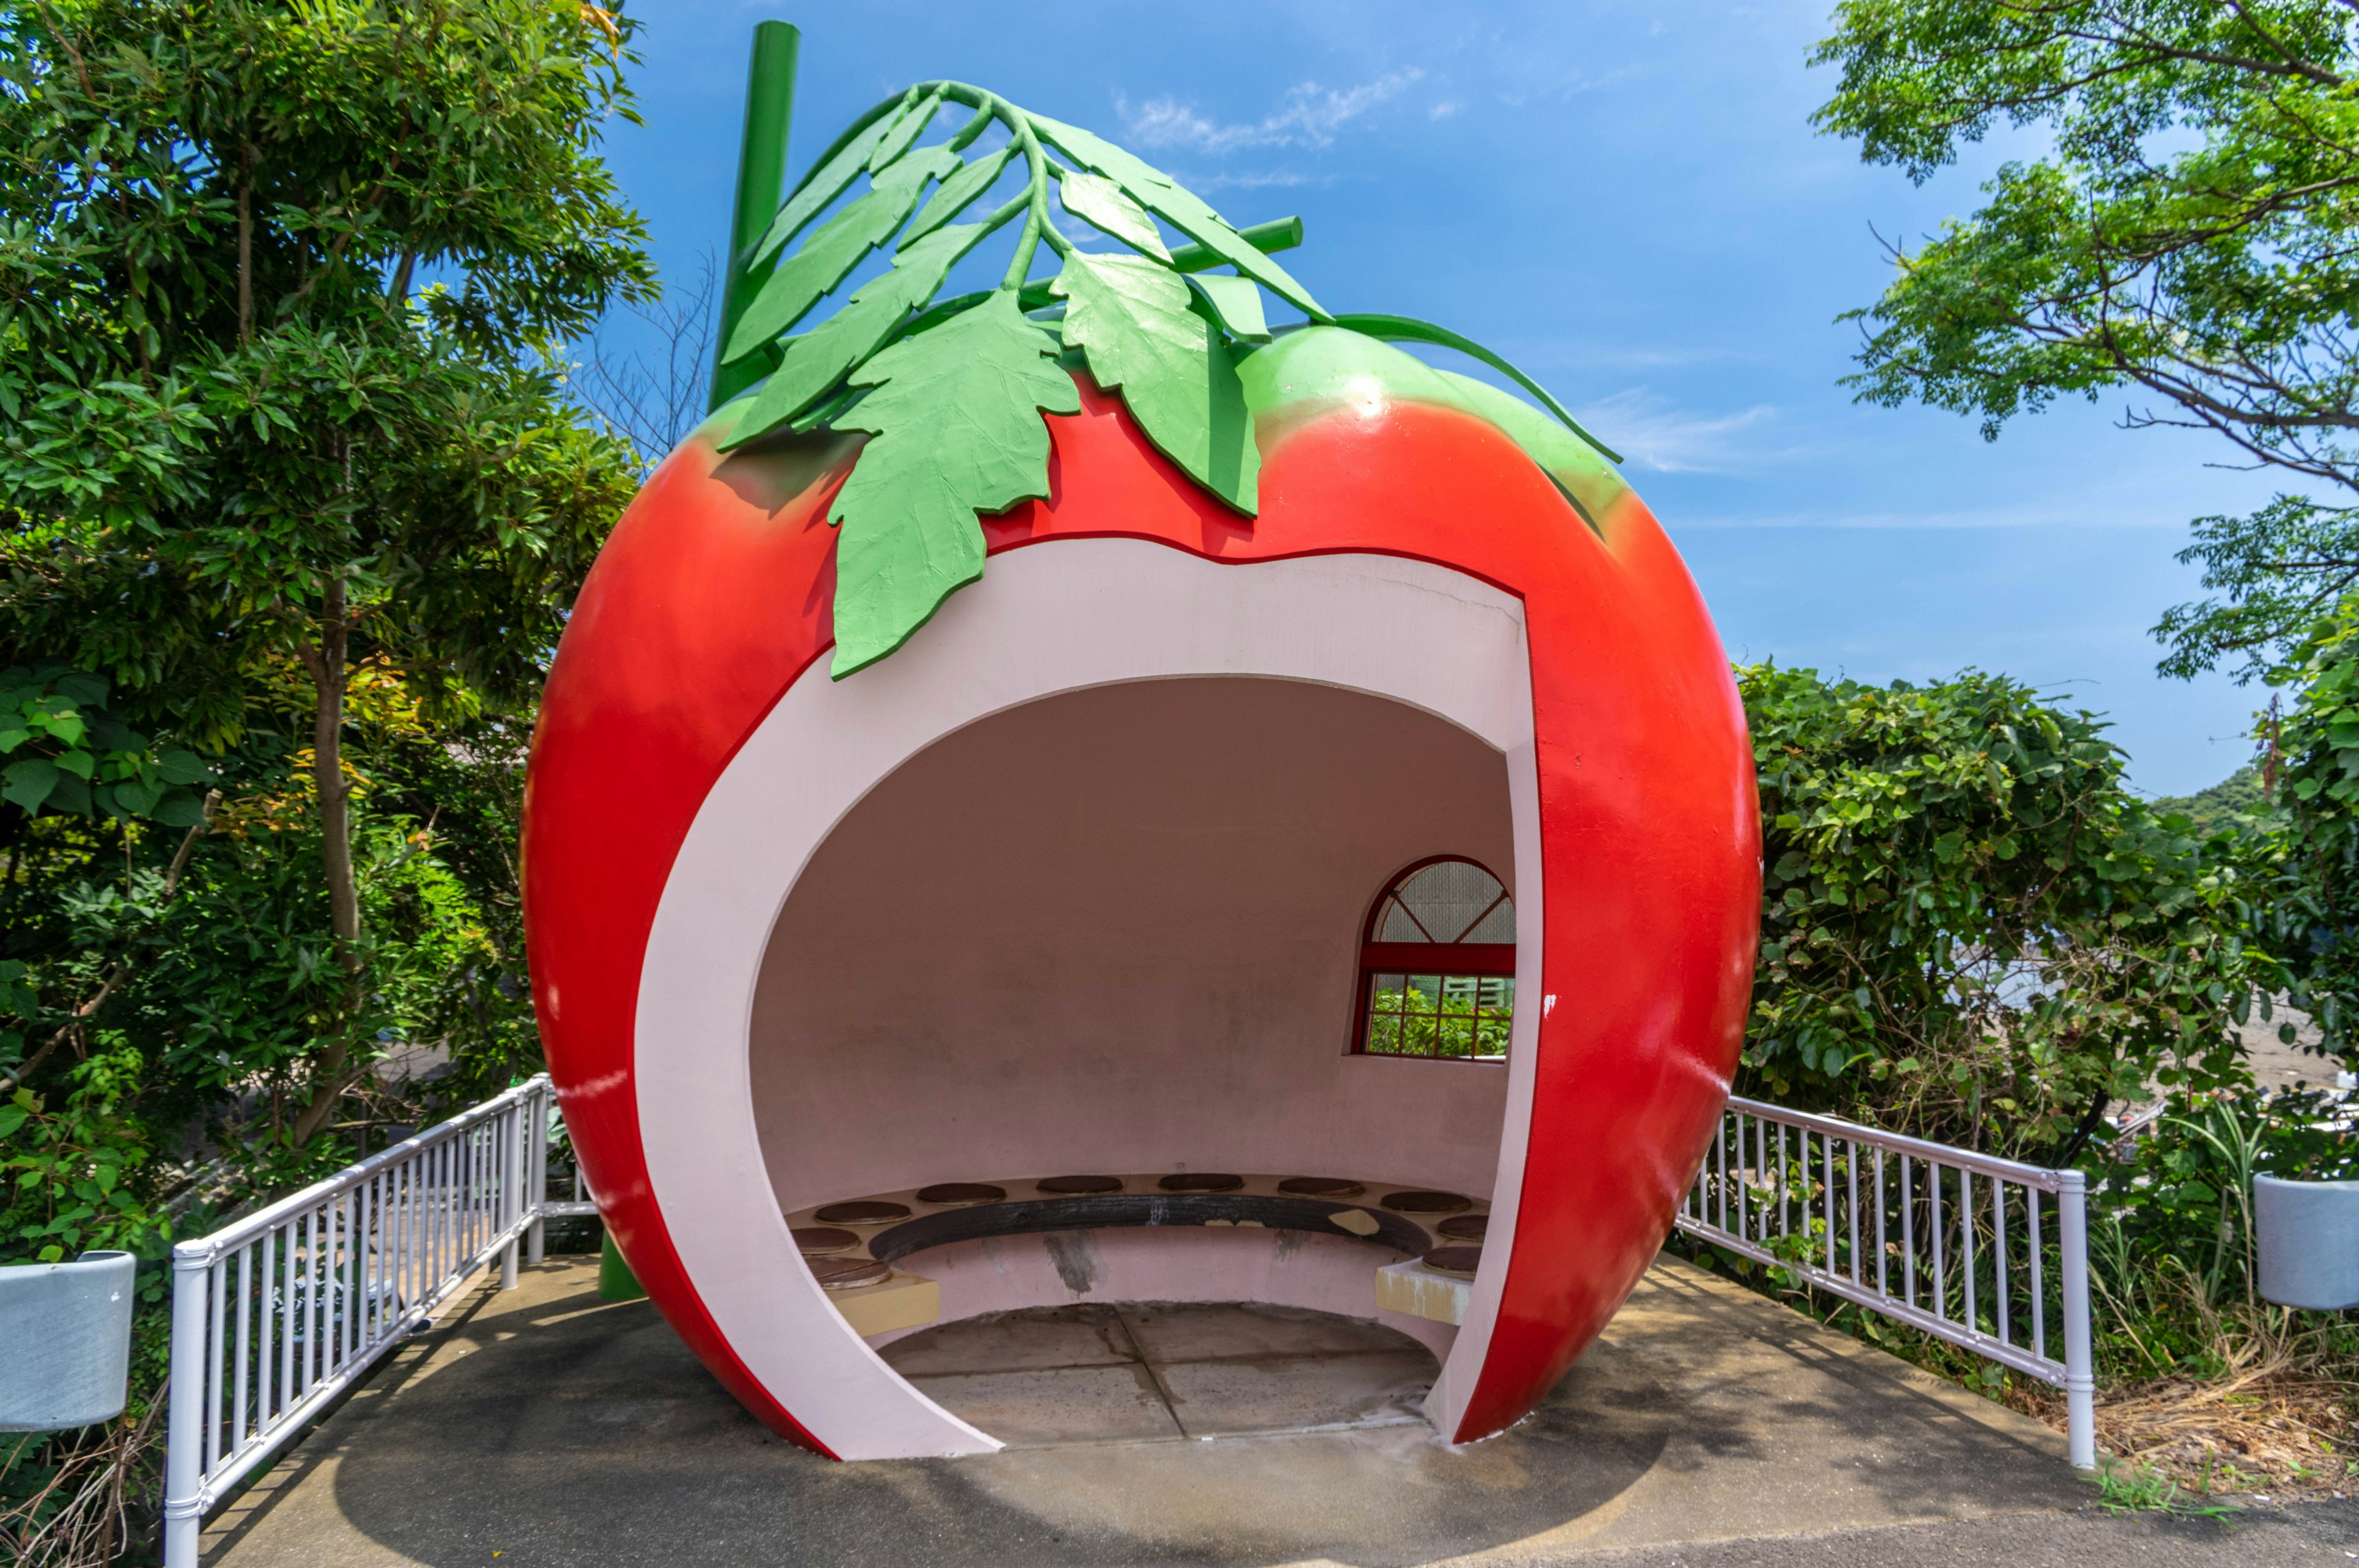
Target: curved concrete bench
[1029,1249]
[1106,1211]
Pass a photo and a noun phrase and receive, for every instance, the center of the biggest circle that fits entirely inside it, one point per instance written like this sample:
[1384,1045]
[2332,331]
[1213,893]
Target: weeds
[2126,1489]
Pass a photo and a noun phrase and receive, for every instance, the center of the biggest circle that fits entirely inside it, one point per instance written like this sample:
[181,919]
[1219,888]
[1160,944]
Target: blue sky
[1626,199]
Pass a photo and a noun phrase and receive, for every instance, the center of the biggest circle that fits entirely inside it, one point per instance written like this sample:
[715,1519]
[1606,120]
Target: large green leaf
[1236,301]
[1186,211]
[1136,324]
[907,127]
[1099,200]
[819,189]
[28,783]
[828,256]
[815,361]
[956,420]
[957,191]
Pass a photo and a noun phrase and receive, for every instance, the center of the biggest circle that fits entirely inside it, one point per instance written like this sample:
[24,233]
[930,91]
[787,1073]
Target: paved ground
[1129,1373]
[1709,1428]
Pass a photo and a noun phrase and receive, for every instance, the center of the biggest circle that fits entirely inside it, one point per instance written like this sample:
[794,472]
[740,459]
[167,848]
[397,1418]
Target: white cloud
[1309,116]
[1249,179]
[1442,110]
[1655,436]
[2045,514]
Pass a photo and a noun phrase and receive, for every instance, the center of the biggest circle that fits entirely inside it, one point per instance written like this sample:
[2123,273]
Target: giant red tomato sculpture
[1312,507]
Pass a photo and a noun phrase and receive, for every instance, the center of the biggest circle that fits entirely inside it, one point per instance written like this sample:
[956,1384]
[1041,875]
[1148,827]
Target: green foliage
[2141,1489]
[2317,799]
[77,1177]
[1169,344]
[2236,801]
[61,750]
[1433,1015]
[257,478]
[1972,929]
[2185,238]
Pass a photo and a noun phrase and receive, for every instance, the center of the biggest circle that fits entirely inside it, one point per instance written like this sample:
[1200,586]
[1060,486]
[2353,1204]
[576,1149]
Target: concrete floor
[1133,1373]
[545,1427]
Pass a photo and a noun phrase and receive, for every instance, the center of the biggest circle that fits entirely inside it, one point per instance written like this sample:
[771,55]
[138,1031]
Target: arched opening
[1117,932]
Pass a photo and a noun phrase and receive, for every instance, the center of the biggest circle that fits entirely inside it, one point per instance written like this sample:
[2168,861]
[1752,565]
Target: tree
[2318,823]
[1970,928]
[277,283]
[2185,238]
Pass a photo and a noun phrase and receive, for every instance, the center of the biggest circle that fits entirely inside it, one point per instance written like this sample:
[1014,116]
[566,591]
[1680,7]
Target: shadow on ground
[554,1428]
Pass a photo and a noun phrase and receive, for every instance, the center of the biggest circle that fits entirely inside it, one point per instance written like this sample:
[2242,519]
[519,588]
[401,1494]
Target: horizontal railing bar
[254,1225]
[2047,1181]
[568,1210]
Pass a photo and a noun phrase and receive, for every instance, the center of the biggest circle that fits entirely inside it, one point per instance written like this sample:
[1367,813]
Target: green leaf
[133,798]
[819,189]
[181,767]
[829,255]
[178,808]
[83,689]
[28,783]
[815,361]
[957,428]
[1237,302]
[1186,211]
[907,127]
[1097,199]
[956,192]
[82,764]
[1135,322]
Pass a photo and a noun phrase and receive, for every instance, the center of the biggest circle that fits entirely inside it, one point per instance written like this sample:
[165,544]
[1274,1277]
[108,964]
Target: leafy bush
[2316,912]
[1972,929]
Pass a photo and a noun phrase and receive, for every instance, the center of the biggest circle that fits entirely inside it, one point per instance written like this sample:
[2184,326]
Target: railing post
[2080,1368]
[184,1431]
[511,1188]
[537,1237]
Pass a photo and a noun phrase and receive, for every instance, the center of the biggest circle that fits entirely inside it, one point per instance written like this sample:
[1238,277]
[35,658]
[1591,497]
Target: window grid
[1451,1017]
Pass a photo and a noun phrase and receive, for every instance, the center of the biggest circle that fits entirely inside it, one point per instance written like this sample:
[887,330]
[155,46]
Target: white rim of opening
[1048,619]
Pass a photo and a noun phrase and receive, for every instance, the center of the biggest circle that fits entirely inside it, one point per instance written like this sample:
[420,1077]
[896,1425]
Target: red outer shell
[713,596]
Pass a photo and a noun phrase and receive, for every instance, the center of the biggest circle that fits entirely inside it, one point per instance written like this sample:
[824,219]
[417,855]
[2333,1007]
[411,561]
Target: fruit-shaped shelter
[1066,791]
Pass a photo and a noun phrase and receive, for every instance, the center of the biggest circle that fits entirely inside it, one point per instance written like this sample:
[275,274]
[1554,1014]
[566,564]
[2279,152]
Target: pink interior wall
[1117,930]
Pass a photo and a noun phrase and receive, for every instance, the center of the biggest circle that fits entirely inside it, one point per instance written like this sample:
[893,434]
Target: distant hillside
[2235,798]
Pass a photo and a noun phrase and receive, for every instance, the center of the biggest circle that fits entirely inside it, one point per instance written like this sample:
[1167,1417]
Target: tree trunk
[325,662]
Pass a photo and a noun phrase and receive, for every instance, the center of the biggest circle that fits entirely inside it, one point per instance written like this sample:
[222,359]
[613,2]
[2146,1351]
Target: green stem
[761,177]
[1036,219]
[1408,330]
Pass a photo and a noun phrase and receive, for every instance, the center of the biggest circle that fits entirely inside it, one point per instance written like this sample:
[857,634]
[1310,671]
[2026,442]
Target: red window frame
[1480,959]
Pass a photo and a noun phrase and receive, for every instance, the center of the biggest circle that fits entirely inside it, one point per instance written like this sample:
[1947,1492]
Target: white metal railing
[274,1315]
[1959,1245]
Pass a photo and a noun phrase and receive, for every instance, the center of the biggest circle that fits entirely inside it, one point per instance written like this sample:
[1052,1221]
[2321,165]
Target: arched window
[1438,965]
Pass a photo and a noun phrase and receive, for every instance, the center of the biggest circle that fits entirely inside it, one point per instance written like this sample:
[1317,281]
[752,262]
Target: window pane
[1460,1017]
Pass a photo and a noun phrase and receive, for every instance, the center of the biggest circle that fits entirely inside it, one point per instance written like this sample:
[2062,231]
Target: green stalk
[761,186]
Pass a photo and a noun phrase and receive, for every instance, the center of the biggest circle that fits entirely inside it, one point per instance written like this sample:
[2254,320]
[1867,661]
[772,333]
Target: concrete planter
[65,1342]
[2307,1234]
